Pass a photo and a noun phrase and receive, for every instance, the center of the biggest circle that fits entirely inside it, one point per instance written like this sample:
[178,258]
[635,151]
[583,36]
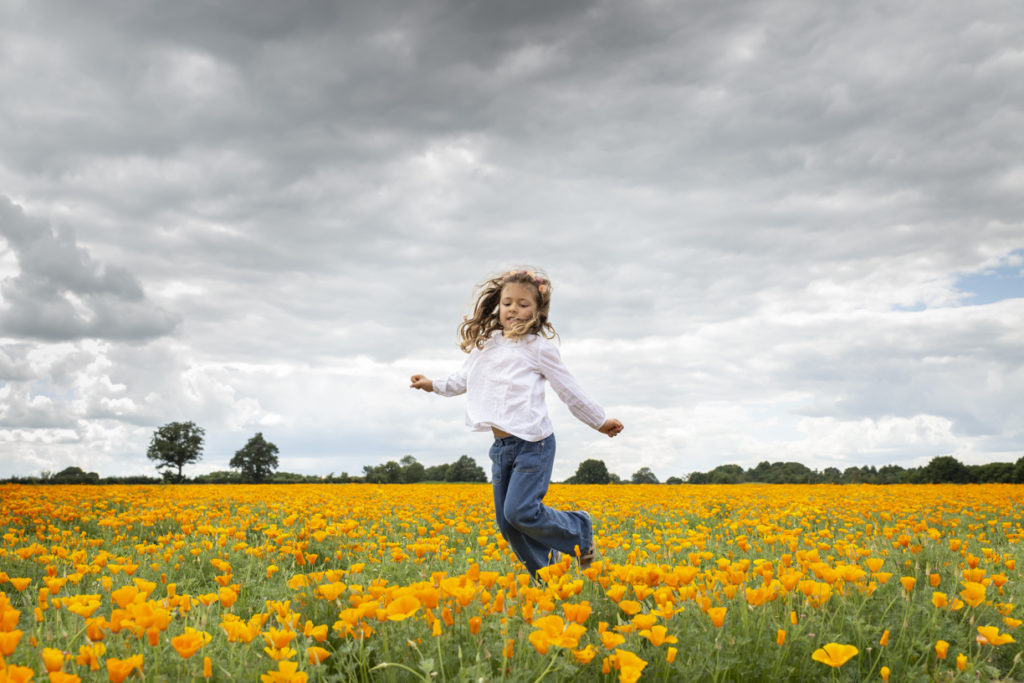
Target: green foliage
[465,469]
[940,470]
[257,460]
[644,476]
[726,474]
[591,472]
[945,470]
[75,475]
[409,471]
[175,445]
[219,477]
[412,471]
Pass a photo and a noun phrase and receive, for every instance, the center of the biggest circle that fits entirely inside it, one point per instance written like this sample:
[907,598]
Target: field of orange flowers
[364,582]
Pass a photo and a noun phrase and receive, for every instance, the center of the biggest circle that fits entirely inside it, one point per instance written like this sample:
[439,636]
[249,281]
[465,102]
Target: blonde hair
[478,327]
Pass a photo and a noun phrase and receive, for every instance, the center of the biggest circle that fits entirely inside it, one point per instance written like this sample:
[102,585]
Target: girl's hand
[611,427]
[421,382]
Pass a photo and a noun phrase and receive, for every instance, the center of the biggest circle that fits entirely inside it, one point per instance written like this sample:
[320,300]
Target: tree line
[943,469]
[177,444]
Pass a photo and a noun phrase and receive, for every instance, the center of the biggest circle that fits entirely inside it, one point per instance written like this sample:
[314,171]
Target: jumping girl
[510,356]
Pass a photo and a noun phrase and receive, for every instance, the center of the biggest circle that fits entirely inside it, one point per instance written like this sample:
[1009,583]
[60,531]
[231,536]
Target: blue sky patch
[993,284]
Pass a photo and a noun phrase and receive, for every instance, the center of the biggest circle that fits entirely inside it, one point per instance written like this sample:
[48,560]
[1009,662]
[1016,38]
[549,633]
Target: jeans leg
[525,511]
[504,456]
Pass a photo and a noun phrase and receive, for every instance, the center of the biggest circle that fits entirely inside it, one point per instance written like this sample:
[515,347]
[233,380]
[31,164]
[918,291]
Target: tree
[644,476]
[465,469]
[412,471]
[697,478]
[257,460]
[890,474]
[437,472]
[830,475]
[945,469]
[591,472]
[75,475]
[175,445]
[726,474]
[388,473]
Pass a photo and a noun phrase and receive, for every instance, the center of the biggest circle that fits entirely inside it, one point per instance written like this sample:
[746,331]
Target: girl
[510,357]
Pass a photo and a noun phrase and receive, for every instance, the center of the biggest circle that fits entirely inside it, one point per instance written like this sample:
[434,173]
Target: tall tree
[465,469]
[592,472]
[412,470]
[175,445]
[257,460]
[945,469]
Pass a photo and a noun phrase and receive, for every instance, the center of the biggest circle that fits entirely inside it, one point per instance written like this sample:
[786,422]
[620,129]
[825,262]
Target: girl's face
[518,304]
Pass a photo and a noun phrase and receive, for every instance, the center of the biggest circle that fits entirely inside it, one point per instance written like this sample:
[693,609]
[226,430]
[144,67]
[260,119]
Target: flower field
[412,582]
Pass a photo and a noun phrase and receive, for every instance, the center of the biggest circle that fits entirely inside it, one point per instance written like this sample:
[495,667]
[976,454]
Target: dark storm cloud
[62,294]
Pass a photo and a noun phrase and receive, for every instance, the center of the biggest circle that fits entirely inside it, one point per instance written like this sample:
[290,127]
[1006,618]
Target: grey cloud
[22,410]
[13,366]
[61,293]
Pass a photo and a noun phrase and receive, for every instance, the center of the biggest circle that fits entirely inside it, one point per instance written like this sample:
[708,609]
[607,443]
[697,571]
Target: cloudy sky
[777,230]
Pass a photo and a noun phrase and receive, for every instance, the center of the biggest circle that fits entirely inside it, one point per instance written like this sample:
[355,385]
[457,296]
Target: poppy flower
[990,635]
[973,593]
[62,677]
[9,641]
[834,654]
[402,608]
[120,669]
[658,635]
[16,674]
[53,659]
[585,655]
[610,640]
[287,672]
[630,666]
[278,638]
[189,642]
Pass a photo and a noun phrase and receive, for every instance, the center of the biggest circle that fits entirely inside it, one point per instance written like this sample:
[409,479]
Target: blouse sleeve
[580,403]
[455,384]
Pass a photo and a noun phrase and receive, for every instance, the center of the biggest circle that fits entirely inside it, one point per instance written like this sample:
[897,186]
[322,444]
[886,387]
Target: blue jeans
[520,474]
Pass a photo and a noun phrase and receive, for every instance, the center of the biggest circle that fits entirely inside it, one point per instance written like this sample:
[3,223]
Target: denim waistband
[511,439]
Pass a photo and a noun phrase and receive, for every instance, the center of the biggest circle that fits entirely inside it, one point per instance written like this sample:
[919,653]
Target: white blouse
[504,383]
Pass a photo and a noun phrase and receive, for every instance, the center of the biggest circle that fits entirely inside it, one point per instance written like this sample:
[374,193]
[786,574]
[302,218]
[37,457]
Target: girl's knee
[522,517]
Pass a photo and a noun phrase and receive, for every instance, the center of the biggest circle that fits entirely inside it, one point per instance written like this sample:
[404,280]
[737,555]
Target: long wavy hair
[484,322]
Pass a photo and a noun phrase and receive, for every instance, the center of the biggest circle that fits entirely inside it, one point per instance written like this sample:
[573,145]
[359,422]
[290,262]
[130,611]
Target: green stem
[545,672]
[417,674]
[440,660]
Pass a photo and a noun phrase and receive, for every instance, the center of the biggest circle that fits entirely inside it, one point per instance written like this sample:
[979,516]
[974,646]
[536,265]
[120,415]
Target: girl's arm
[580,403]
[452,385]
[421,382]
